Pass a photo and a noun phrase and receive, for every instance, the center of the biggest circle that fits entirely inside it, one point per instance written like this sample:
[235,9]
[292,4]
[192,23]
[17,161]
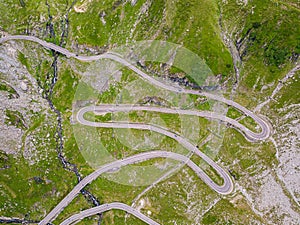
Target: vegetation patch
[10,90]
[233,113]
[15,118]
[225,212]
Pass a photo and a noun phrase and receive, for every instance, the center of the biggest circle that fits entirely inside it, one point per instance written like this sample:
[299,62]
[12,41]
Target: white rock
[24,86]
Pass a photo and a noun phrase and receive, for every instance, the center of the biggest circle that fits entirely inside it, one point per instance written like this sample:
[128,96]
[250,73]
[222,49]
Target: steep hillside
[252,48]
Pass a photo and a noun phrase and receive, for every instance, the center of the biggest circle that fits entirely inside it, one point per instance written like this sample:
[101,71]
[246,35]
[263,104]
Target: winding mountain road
[107,207]
[227,186]
[265,127]
[108,108]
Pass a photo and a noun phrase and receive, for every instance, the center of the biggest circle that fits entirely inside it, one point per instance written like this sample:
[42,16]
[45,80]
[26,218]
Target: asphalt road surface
[265,127]
[107,207]
[224,189]
[227,186]
[108,108]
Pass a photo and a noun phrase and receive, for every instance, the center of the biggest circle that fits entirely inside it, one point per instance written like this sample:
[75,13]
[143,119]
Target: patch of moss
[15,118]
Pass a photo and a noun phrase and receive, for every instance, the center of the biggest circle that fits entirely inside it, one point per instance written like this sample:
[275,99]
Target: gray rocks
[24,86]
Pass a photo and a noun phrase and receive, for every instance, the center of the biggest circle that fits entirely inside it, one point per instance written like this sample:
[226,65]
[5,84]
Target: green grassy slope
[266,34]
